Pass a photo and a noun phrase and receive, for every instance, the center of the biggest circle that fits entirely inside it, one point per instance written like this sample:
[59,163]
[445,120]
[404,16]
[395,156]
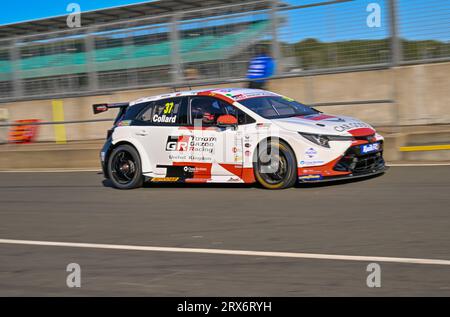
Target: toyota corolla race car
[234,136]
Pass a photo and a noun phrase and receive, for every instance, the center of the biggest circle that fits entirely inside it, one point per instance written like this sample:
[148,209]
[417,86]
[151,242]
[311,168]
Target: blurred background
[389,68]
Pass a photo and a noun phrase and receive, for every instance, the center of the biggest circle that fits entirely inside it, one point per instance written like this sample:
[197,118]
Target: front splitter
[344,177]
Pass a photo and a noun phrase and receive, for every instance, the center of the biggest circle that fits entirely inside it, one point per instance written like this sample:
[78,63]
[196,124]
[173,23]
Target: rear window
[133,111]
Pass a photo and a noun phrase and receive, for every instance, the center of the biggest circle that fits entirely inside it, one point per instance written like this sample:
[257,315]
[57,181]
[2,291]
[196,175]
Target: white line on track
[230,252]
[73,170]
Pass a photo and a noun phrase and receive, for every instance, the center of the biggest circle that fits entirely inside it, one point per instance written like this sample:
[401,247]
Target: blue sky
[418,19]
[23,10]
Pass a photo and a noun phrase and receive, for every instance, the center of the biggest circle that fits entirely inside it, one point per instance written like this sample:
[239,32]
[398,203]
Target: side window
[133,112]
[242,117]
[147,114]
[165,112]
[207,109]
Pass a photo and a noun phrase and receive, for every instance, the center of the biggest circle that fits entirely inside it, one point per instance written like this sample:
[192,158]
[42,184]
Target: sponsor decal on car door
[211,149]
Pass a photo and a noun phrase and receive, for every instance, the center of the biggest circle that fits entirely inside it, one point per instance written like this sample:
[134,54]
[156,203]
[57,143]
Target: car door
[217,150]
[158,129]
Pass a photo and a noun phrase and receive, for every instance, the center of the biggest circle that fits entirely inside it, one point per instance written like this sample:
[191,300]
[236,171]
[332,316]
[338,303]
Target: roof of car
[234,94]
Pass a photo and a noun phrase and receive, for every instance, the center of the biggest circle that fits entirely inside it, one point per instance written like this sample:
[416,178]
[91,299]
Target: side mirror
[227,120]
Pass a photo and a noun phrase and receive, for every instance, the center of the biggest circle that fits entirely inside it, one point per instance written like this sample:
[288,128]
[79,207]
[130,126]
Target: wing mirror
[227,120]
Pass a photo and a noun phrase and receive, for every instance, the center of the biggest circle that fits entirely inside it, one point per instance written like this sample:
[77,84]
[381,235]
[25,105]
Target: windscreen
[275,107]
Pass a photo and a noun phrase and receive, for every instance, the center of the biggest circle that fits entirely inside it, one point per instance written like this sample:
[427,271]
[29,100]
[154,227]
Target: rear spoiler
[102,107]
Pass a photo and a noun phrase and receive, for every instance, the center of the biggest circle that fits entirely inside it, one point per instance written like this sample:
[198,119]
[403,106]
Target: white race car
[234,136]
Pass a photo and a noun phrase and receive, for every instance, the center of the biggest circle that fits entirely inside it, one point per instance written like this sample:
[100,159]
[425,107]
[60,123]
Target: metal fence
[201,48]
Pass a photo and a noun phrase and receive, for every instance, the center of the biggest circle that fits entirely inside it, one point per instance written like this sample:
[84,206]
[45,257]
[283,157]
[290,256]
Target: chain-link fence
[201,47]
[424,29]
[332,36]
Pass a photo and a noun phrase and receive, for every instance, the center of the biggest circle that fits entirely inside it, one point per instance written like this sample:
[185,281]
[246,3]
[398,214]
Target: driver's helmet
[203,110]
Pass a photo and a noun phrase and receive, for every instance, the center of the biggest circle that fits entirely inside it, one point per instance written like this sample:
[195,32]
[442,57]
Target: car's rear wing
[102,107]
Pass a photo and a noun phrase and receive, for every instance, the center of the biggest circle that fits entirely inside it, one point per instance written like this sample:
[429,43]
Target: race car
[234,135]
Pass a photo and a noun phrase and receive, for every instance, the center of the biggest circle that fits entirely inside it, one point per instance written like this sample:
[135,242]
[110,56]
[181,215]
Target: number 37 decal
[169,107]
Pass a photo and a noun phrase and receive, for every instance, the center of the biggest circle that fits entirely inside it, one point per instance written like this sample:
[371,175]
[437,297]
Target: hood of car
[325,124]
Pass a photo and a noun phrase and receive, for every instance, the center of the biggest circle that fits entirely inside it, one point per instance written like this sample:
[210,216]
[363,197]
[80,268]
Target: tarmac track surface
[404,214]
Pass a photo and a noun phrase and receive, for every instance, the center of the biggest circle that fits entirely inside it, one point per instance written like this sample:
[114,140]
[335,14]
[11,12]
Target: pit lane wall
[420,95]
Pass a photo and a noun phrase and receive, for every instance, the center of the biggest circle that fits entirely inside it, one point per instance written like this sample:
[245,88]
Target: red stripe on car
[317,117]
[362,132]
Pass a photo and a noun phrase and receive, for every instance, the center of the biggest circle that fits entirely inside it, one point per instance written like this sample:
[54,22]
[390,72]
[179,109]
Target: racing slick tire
[124,168]
[268,172]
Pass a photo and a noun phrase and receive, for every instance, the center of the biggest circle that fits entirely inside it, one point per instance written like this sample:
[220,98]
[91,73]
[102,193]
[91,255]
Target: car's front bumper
[352,164]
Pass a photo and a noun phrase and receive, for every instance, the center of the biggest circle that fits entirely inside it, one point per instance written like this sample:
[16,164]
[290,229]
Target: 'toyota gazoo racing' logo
[190,143]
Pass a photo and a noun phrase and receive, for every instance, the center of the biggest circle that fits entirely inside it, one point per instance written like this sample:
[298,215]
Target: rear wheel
[275,165]
[124,168]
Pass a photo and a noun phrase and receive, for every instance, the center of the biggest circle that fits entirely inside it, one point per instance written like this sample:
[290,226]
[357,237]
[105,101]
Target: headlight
[323,140]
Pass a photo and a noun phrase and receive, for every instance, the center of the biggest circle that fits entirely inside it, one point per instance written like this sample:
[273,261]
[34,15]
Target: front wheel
[124,168]
[275,165]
